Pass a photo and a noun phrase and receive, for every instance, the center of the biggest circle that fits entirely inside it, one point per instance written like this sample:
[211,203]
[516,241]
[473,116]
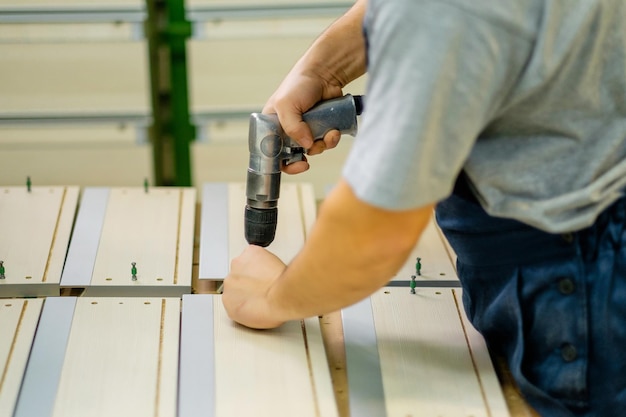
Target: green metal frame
[171,133]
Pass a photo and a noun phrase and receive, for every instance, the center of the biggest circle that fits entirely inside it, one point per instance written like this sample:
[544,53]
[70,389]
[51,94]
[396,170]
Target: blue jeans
[554,306]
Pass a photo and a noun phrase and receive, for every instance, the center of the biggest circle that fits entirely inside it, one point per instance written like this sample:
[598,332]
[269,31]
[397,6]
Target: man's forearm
[339,52]
[353,250]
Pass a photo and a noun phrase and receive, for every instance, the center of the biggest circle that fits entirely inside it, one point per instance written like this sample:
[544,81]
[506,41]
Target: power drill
[270,147]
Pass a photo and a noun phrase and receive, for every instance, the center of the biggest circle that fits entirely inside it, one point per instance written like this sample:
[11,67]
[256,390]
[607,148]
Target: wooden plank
[296,213]
[18,321]
[427,365]
[487,378]
[436,264]
[274,373]
[152,229]
[121,359]
[35,230]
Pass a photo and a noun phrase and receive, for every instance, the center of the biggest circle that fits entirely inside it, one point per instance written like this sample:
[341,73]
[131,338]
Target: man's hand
[245,288]
[335,59]
[298,92]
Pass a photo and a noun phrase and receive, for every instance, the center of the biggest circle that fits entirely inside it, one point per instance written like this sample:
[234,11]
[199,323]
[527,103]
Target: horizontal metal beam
[258,11]
[96,13]
[142,119]
[73,118]
[71,15]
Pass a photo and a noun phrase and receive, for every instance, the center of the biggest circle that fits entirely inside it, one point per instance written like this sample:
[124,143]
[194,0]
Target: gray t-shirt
[528,97]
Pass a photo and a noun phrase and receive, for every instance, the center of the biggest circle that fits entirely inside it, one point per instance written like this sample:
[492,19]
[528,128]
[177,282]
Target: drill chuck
[260,225]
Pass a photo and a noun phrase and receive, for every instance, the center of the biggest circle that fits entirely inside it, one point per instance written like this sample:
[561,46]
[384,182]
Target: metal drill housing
[270,148]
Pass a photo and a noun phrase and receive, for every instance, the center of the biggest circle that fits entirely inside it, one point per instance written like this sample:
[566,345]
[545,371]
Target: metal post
[167,31]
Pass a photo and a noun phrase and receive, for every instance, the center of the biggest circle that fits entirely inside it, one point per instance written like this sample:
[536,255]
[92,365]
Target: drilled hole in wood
[28,277]
[442,273]
[121,302]
[94,302]
[159,279]
[109,279]
[8,305]
[147,302]
[438,292]
[387,292]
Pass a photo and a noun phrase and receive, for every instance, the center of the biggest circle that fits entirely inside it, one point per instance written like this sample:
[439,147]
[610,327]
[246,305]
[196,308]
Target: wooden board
[229,370]
[18,321]
[435,258]
[153,229]
[432,363]
[296,214]
[35,229]
[115,356]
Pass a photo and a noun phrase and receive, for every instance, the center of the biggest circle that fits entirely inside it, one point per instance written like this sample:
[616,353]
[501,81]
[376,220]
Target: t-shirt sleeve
[437,74]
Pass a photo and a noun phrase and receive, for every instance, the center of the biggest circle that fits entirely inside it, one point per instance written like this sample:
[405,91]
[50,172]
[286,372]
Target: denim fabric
[554,306]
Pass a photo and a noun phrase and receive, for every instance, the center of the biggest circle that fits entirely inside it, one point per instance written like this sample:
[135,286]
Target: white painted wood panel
[430,366]
[271,373]
[154,230]
[121,359]
[18,321]
[485,370]
[424,356]
[35,228]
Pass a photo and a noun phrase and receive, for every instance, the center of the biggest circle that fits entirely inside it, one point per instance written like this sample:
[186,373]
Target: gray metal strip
[43,372]
[196,385]
[264,10]
[214,257]
[102,13]
[81,256]
[71,14]
[365,381]
[452,283]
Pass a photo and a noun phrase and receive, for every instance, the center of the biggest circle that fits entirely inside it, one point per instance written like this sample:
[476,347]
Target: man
[510,117]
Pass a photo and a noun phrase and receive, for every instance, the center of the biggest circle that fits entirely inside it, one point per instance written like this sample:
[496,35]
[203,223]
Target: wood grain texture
[18,321]
[121,359]
[35,233]
[428,368]
[273,373]
[434,256]
[156,231]
[485,371]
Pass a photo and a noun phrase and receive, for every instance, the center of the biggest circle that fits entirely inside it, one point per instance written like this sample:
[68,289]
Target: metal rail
[197,14]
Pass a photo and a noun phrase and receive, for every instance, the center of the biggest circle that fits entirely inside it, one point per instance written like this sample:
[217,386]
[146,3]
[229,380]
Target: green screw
[145,185]
[418,266]
[28,184]
[2,270]
[413,284]
[133,270]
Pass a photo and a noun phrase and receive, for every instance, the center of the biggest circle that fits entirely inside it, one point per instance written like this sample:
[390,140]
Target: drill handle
[335,114]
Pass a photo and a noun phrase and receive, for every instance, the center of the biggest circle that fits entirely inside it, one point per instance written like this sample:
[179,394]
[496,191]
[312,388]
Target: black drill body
[270,148]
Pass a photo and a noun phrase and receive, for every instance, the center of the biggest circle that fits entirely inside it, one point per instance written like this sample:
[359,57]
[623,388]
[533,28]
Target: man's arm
[353,249]
[336,58]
